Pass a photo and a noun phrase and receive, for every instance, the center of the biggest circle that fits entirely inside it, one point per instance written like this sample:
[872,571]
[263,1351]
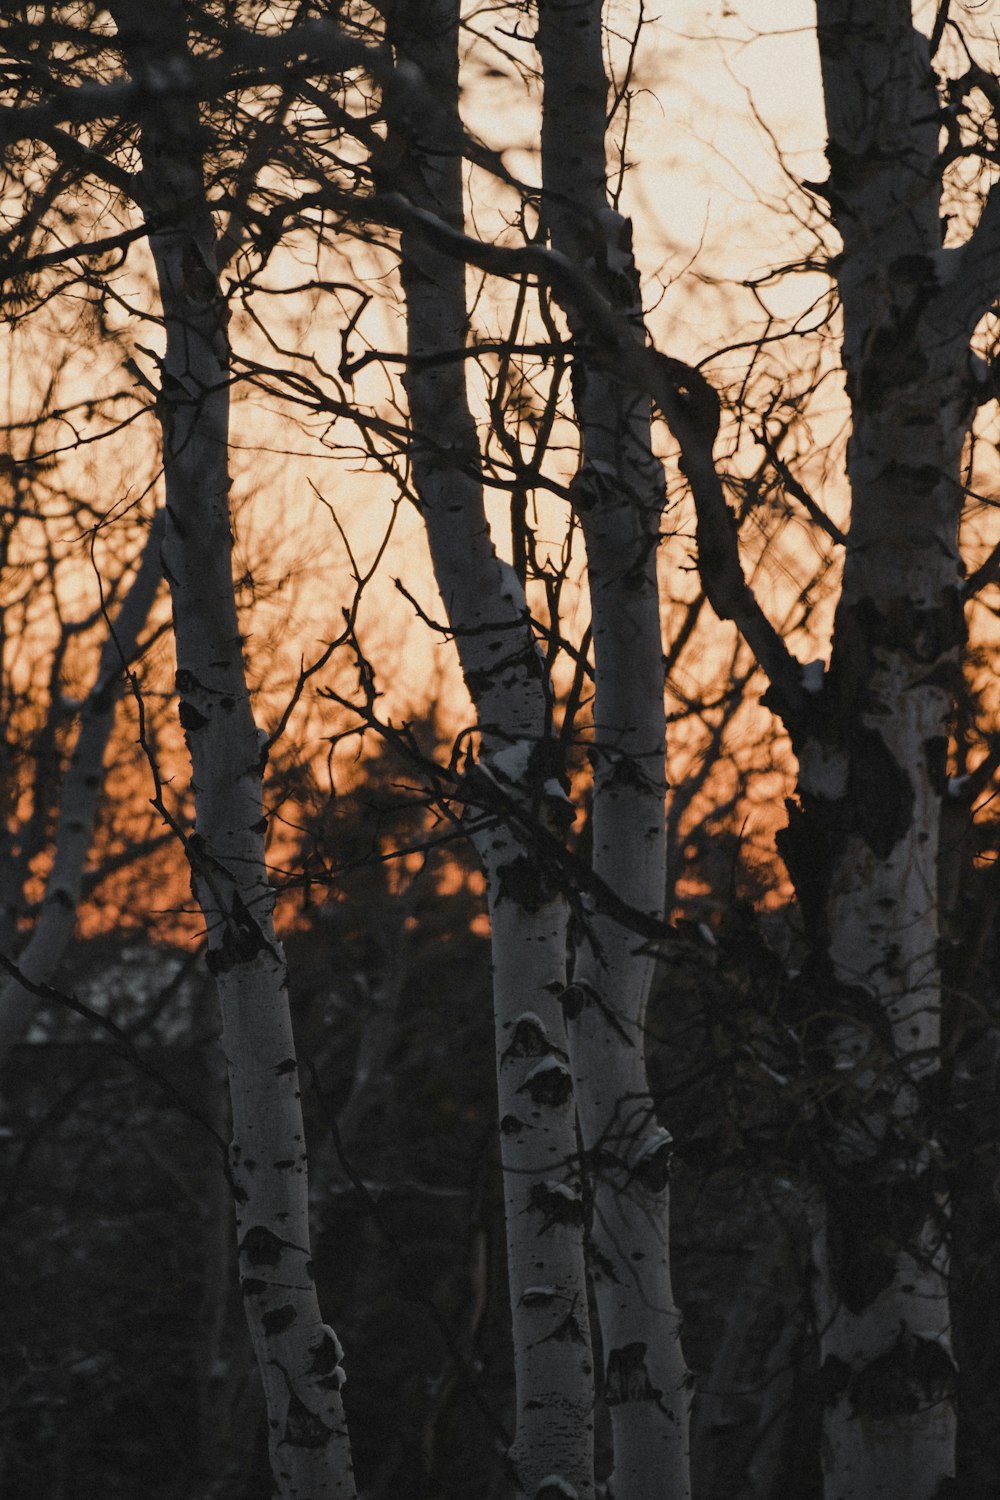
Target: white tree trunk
[867,831]
[618,495]
[80,799]
[297,1353]
[543,1200]
[862,844]
[552,1450]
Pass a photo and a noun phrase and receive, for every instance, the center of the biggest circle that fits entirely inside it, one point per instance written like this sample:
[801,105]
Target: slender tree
[80,794]
[572,928]
[871,738]
[619,494]
[298,1355]
[518,765]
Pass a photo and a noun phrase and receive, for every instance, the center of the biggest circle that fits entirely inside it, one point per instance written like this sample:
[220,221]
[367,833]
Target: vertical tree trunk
[619,496]
[862,842]
[552,1451]
[80,798]
[297,1353]
[227,1390]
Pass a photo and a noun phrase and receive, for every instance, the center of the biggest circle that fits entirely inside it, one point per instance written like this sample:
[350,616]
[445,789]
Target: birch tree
[618,494]
[870,733]
[584,1159]
[79,799]
[862,842]
[552,1450]
[298,1355]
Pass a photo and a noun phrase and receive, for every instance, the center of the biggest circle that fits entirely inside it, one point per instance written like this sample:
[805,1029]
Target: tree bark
[552,1451]
[863,836]
[619,494]
[297,1353]
[80,799]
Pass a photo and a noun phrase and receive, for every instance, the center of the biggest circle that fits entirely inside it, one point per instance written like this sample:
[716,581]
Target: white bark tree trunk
[297,1353]
[552,1451]
[619,493]
[80,799]
[862,844]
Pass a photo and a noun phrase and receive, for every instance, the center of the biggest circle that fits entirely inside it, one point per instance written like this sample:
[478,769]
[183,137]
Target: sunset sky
[726,119]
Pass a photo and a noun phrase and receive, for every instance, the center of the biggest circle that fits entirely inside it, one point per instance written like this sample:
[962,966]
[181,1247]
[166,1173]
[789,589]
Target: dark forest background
[126,1367]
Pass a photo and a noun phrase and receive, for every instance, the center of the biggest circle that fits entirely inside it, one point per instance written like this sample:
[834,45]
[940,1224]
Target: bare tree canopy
[498,586]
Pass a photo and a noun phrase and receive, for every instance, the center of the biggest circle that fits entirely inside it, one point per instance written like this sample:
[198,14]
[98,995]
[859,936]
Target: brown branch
[940,22]
[28,264]
[987,572]
[795,488]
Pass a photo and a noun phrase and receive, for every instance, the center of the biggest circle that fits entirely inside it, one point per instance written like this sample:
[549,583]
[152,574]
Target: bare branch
[122,1043]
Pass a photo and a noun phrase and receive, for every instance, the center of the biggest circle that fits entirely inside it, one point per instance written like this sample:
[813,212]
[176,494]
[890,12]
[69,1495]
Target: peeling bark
[298,1355]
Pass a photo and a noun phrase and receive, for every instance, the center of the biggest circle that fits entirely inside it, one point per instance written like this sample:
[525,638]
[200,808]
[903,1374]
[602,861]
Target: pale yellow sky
[702,169]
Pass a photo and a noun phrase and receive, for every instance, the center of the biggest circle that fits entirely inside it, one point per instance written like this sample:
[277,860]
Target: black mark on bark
[627,1378]
[327,1354]
[528,1040]
[524,882]
[879,792]
[263,1248]
[278,1320]
[549,1083]
[304,1428]
[555,1206]
[191,719]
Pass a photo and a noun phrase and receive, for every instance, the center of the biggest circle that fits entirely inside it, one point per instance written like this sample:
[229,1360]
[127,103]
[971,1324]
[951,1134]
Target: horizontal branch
[81,250]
